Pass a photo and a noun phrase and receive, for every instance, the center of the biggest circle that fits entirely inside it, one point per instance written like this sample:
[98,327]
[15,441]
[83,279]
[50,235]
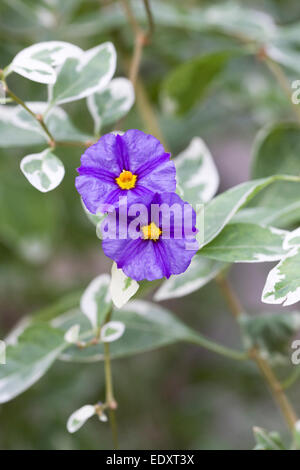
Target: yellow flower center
[126,180]
[151,232]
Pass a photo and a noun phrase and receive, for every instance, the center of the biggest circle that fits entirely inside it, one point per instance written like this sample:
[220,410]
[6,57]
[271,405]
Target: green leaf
[96,219]
[292,239]
[271,333]
[112,103]
[188,83]
[34,70]
[283,281]
[196,173]
[147,327]
[79,417]
[112,331]
[61,127]
[81,76]
[201,271]
[277,217]
[37,61]
[27,361]
[246,243]
[219,211]
[96,300]
[276,151]
[267,440]
[19,128]
[121,287]
[43,170]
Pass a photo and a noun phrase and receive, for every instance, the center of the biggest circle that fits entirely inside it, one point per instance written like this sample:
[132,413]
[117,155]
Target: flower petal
[141,148]
[175,256]
[103,155]
[95,192]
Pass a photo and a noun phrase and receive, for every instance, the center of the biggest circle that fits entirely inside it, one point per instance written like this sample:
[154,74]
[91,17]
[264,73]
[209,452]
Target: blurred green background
[180,397]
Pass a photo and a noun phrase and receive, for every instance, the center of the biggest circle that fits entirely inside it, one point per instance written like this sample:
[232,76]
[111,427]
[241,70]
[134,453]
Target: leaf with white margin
[79,417]
[220,210]
[121,287]
[37,61]
[29,359]
[81,76]
[283,281]
[96,301]
[201,271]
[271,334]
[247,243]
[112,103]
[72,335]
[43,170]
[292,239]
[19,128]
[112,331]
[196,173]
[34,70]
[267,440]
[148,326]
[96,219]
[53,53]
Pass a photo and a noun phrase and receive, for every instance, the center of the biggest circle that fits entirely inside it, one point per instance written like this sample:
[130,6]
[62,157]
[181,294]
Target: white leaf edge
[23,60]
[34,179]
[87,303]
[119,328]
[120,295]
[79,417]
[288,241]
[31,69]
[72,335]
[117,86]
[85,57]
[165,292]
[207,175]
[274,277]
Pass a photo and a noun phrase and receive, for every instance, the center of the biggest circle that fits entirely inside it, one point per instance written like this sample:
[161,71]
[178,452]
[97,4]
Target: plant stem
[148,114]
[266,371]
[110,400]
[232,300]
[37,117]
[283,81]
[217,348]
[276,389]
[149,18]
[142,38]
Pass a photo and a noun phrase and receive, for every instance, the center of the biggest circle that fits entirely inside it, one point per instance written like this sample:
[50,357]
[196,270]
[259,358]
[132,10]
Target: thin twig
[266,371]
[142,38]
[232,300]
[281,78]
[110,400]
[37,117]
[149,18]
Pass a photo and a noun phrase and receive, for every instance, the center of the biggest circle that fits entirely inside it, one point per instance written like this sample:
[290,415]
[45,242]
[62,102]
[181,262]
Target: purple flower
[133,164]
[151,240]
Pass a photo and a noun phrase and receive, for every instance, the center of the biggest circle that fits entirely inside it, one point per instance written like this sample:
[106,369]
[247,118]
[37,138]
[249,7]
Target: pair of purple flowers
[135,166]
